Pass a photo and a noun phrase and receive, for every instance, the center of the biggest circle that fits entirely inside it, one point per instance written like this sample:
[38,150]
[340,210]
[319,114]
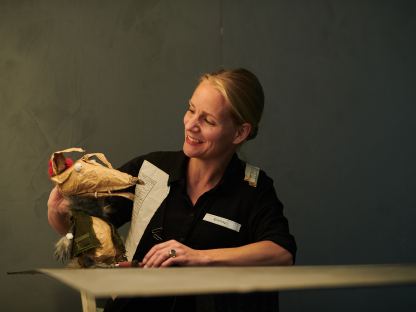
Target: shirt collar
[179,168]
[233,173]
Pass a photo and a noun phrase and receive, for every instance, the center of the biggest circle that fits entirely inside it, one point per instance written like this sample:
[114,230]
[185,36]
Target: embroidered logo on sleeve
[229,224]
[251,175]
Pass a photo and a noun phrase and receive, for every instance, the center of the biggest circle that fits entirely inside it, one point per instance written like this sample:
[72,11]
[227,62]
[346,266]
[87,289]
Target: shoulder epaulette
[251,175]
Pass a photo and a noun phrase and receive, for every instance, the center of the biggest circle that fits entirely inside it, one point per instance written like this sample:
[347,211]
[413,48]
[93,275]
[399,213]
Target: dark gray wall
[115,76]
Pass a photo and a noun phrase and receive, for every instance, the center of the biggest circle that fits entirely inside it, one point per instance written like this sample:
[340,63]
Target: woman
[211,214]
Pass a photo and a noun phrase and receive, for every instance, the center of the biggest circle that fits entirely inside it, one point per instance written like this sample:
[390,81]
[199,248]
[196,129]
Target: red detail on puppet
[68,163]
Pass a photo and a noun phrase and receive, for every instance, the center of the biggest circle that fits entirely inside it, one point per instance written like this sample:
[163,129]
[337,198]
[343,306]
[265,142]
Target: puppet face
[87,177]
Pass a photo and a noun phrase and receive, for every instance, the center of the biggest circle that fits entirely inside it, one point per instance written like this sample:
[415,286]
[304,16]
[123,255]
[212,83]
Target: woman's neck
[206,174]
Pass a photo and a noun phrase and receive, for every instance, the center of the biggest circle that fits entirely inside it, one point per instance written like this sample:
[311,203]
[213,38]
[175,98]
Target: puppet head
[87,177]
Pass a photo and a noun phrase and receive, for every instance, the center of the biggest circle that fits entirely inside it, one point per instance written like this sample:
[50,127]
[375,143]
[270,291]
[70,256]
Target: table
[98,283]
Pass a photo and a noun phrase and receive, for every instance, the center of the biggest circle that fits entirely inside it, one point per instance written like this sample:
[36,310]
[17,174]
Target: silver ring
[172,253]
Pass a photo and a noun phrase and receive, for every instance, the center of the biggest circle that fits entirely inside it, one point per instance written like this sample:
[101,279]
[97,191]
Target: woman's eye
[210,122]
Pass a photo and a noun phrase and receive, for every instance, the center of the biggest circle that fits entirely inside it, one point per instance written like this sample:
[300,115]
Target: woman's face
[210,131]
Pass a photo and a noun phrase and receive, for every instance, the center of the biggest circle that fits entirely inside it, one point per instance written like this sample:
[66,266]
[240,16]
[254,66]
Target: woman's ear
[242,132]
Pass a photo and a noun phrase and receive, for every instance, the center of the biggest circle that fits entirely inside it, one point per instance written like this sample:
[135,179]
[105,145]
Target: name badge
[229,224]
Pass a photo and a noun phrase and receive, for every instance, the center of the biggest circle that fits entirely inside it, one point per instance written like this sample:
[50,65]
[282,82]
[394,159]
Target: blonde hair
[243,91]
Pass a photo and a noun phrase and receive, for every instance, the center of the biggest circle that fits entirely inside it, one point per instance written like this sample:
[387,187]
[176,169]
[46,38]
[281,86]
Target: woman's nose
[192,123]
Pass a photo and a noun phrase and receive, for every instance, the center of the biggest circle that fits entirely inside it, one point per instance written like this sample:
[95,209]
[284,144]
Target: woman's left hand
[172,253]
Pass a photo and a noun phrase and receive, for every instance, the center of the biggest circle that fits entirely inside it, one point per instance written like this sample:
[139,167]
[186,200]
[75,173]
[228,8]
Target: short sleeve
[267,220]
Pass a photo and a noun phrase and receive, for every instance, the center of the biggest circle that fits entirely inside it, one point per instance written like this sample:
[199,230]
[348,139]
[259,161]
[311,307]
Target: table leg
[88,302]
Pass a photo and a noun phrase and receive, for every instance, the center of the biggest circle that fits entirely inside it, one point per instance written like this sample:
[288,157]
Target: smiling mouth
[192,140]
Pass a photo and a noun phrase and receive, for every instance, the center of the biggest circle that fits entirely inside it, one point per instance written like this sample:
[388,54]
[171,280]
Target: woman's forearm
[260,253]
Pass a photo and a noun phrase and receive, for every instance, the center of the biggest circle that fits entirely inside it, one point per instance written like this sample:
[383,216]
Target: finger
[156,256]
[56,194]
[149,255]
[52,196]
[164,254]
[152,252]
[57,203]
[149,259]
[157,259]
[162,257]
[169,244]
[181,257]
[172,261]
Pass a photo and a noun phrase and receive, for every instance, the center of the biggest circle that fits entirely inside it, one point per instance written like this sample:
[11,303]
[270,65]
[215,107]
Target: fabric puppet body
[91,241]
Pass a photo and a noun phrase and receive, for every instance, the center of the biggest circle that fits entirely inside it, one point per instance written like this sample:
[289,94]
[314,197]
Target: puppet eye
[77,167]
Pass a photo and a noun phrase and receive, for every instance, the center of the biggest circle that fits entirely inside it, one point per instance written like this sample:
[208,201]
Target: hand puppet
[92,240]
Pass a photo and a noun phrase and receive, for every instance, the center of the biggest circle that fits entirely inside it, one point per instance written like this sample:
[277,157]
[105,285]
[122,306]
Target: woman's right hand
[57,202]
[58,211]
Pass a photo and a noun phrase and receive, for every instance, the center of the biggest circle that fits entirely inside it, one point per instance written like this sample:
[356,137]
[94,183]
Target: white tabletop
[205,280]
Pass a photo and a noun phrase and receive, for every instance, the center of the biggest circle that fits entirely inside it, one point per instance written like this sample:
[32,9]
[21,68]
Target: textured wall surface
[115,76]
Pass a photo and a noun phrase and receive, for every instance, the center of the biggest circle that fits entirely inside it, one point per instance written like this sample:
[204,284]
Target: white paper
[148,198]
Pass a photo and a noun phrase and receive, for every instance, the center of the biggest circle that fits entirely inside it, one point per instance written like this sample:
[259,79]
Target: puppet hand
[172,253]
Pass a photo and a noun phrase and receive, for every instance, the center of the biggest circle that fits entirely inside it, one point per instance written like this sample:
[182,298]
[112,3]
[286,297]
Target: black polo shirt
[255,213]
[256,209]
